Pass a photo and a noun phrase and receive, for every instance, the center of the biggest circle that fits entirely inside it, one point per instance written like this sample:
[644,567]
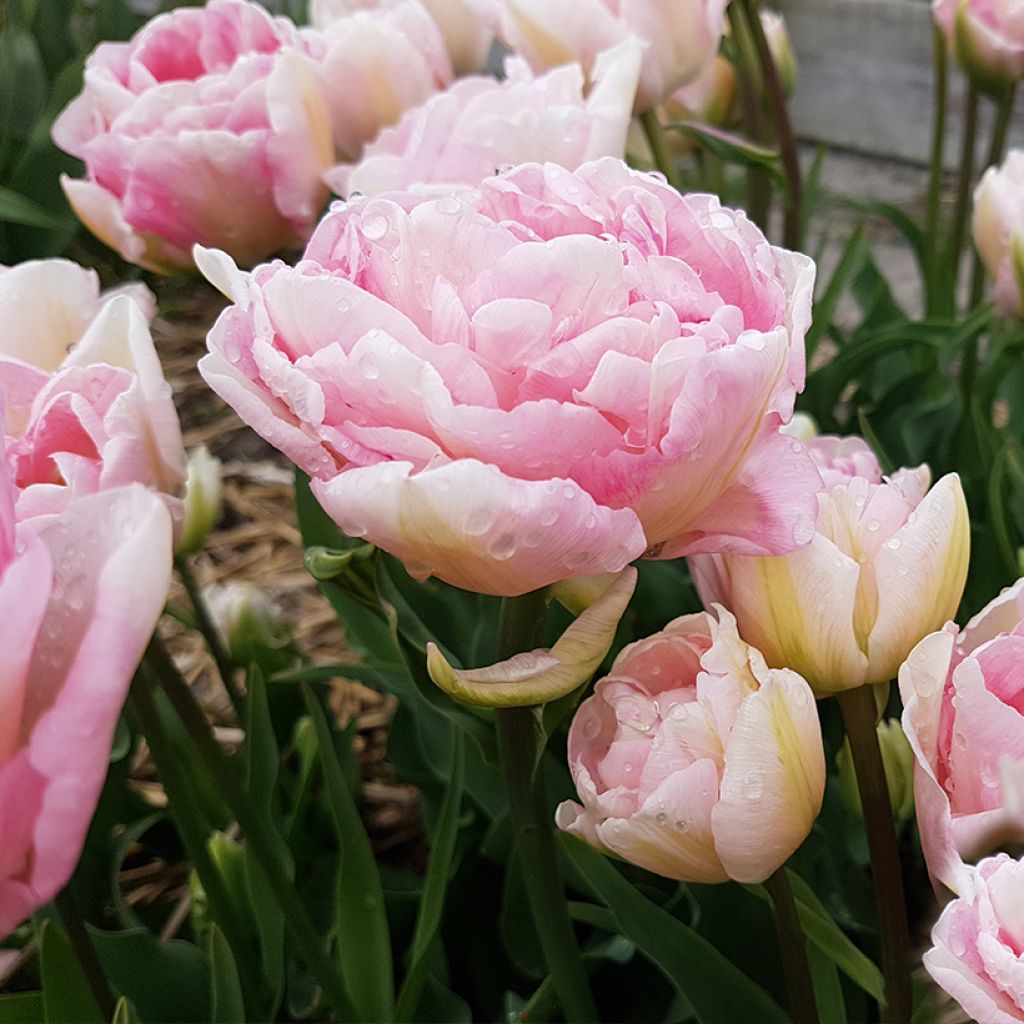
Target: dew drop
[344,306]
[803,533]
[448,204]
[479,520]
[872,525]
[752,786]
[368,366]
[894,544]
[375,227]
[503,547]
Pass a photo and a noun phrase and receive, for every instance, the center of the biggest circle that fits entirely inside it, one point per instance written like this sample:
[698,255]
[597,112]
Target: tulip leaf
[828,989]
[541,676]
[729,147]
[825,305]
[22,1008]
[715,988]
[226,1003]
[828,938]
[16,209]
[66,993]
[124,1012]
[432,899]
[361,924]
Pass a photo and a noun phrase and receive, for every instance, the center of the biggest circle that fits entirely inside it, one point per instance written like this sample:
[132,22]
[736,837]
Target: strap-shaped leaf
[540,676]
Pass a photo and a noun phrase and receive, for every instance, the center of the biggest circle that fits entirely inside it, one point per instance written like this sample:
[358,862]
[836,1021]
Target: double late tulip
[998,226]
[214,125]
[963,695]
[695,760]
[460,136]
[83,412]
[466,34]
[80,593]
[544,377]
[987,39]
[978,940]
[680,37]
[885,567]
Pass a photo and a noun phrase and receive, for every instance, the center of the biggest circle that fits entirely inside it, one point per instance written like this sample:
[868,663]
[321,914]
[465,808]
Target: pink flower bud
[695,760]
[998,227]
[987,39]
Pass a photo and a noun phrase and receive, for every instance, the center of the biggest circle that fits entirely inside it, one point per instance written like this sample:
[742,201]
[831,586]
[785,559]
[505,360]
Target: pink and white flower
[543,377]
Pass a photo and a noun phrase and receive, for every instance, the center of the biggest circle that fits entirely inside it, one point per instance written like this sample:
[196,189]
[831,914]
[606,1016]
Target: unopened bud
[203,500]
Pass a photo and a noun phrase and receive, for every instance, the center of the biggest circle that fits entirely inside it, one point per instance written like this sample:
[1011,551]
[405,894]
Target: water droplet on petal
[752,786]
[375,227]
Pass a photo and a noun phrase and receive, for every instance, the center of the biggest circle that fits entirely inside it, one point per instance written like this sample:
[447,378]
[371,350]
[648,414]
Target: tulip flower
[80,593]
[467,37]
[543,377]
[998,227]
[963,695]
[93,418]
[987,39]
[680,37]
[203,500]
[694,760]
[462,135]
[976,956]
[885,566]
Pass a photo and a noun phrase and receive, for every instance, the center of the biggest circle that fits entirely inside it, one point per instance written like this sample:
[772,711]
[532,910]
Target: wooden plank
[865,79]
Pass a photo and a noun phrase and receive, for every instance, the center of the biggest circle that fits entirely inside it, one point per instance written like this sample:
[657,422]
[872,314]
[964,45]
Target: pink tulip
[963,695]
[998,228]
[541,378]
[79,596]
[978,944]
[206,126]
[680,37]
[695,760]
[466,35]
[986,37]
[461,135]
[885,566]
[91,418]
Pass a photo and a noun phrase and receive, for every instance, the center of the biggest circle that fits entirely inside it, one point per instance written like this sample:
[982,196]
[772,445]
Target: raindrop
[448,204]
[479,520]
[894,544]
[503,546]
[752,786]
[375,227]
[873,525]
[368,366]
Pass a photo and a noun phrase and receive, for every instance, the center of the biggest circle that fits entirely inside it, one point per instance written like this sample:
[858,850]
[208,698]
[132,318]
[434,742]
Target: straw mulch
[257,541]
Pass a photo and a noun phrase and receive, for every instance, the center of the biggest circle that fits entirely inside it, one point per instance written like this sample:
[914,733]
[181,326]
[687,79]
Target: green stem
[519,750]
[792,950]
[963,192]
[858,709]
[759,186]
[933,253]
[776,95]
[659,148]
[267,847]
[204,620]
[194,832]
[997,147]
[85,952]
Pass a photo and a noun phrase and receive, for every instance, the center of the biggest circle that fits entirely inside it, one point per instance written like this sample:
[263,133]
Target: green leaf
[828,989]
[66,993]
[23,85]
[717,990]
[997,512]
[16,209]
[226,1003]
[729,147]
[432,899]
[361,924]
[166,981]
[825,306]
[22,1008]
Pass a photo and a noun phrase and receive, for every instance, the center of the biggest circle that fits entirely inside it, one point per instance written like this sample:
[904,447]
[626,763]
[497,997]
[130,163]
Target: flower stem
[793,217]
[792,949]
[204,620]
[933,252]
[85,952]
[858,709]
[963,192]
[267,847]
[520,749]
[759,193]
[659,148]
[1000,129]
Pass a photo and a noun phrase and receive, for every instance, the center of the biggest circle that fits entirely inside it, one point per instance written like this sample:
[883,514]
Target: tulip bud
[987,40]
[695,760]
[898,761]
[781,48]
[885,566]
[248,620]
[203,500]
[998,228]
